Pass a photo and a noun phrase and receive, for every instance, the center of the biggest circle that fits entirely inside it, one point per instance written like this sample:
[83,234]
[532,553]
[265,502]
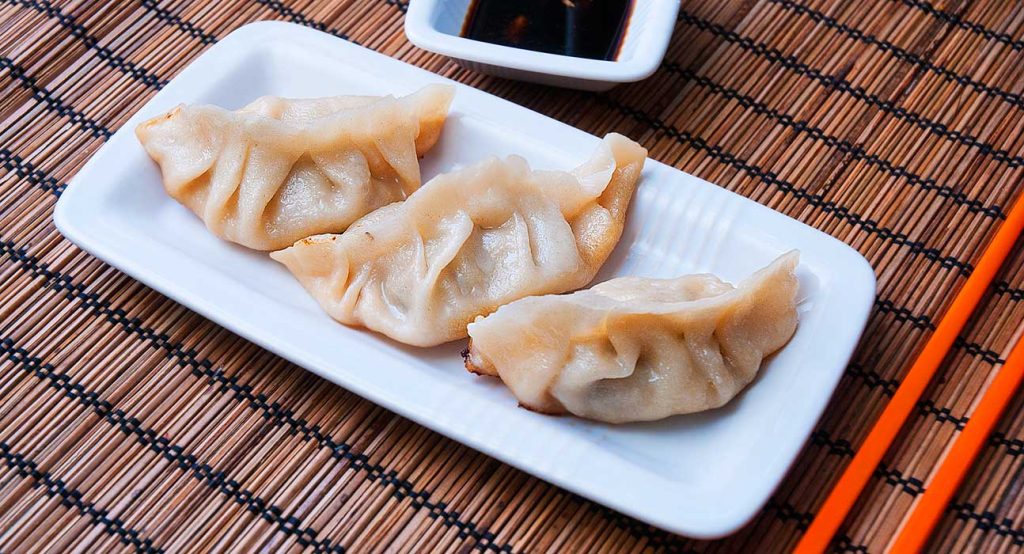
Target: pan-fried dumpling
[635,349]
[469,241]
[279,169]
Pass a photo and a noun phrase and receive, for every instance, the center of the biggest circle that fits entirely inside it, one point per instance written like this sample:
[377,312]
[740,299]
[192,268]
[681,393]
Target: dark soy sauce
[580,28]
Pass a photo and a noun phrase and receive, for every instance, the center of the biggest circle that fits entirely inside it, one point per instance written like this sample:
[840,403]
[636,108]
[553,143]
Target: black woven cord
[296,16]
[787,512]
[1013,99]
[837,83]
[1004,288]
[837,447]
[30,173]
[173,19]
[51,101]
[661,541]
[73,498]
[988,522]
[883,305]
[213,478]
[910,485]
[92,43]
[873,379]
[188,358]
[274,6]
[845,545]
[1014,447]
[943,415]
[816,200]
[714,151]
[900,313]
[955,20]
[990,357]
[913,486]
[854,151]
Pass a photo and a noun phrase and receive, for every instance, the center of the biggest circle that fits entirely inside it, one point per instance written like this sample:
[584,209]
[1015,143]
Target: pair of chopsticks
[926,513]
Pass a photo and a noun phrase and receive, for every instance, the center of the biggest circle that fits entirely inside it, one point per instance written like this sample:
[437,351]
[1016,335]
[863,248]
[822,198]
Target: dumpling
[279,170]
[469,241]
[635,349]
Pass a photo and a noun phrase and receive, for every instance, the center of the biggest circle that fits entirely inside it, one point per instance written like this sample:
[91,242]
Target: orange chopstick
[928,511]
[857,474]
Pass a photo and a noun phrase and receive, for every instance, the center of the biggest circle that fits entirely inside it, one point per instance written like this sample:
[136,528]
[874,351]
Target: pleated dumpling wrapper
[469,241]
[280,169]
[636,349]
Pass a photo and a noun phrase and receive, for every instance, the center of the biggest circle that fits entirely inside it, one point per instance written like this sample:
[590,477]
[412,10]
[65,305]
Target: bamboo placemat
[127,421]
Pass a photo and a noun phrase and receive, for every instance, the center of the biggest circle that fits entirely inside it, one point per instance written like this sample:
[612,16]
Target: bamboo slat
[128,422]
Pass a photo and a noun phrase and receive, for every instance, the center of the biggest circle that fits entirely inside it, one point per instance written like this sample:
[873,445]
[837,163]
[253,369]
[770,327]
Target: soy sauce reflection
[592,29]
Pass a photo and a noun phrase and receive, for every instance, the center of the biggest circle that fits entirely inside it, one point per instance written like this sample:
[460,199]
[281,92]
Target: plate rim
[728,521]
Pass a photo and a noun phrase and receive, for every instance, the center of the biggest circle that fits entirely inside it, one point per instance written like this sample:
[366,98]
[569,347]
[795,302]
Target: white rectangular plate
[703,475]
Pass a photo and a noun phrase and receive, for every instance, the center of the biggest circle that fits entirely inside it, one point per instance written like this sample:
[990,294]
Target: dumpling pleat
[474,239]
[640,349]
[274,165]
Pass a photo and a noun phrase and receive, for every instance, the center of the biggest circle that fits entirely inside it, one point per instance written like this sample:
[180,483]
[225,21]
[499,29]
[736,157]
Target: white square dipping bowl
[435,25]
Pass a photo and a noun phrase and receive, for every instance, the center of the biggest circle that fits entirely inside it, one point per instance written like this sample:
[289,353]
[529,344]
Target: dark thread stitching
[837,83]
[952,19]
[901,54]
[656,538]
[1014,447]
[903,314]
[16,164]
[1003,287]
[715,151]
[873,379]
[844,543]
[52,102]
[912,485]
[840,212]
[977,350]
[943,415]
[855,151]
[837,447]
[167,16]
[190,359]
[72,498]
[986,521]
[787,512]
[189,463]
[484,540]
[112,58]
[300,18]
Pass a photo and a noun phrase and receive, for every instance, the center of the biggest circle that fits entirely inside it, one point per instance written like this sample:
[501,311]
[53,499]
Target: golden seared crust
[486,370]
[430,132]
[481,366]
[542,411]
[467,362]
[599,229]
[432,123]
[692,343]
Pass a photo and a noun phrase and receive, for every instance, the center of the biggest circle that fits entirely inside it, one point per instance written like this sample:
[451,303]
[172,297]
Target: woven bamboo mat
[129,422]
